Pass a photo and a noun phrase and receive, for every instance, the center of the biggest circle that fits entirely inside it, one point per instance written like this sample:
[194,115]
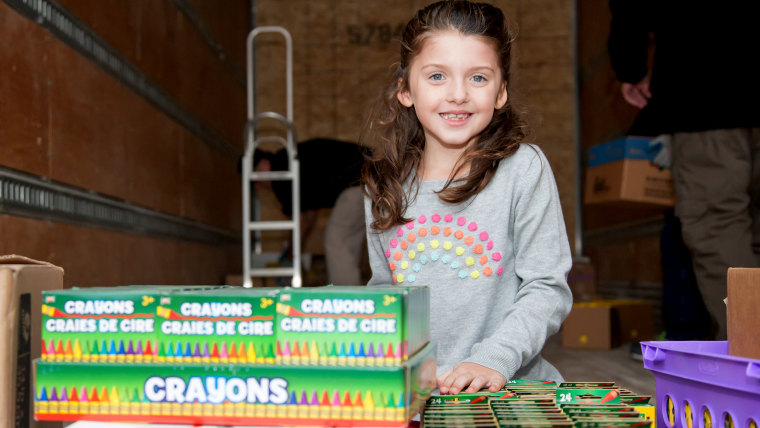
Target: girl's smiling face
[455,83]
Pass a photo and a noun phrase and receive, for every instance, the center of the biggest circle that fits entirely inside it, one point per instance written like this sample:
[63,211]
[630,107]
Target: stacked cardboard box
[605,324]
[338,356]
[743,318]
[22,281]
[621,171]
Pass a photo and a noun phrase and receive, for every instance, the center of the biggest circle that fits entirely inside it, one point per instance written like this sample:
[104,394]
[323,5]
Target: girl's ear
[501,99]
[403,95]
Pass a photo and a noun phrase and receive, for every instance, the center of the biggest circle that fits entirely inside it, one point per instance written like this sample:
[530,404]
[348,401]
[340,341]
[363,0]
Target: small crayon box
[528,382]
[471,398]
[523,404]
[535,410]
[531,423]
[455,422]
[608,415]
[593,385]
[447,415]
[351,325]
[587,395]
[612,422]
[534,401]
[533,417]
[228,325]
[572,409]
[102,324]
[635,399]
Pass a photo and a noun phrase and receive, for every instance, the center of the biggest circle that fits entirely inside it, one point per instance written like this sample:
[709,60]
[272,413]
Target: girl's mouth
[455,116]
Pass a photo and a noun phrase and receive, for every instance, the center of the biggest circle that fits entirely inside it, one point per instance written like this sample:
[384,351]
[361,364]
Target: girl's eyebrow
[426,66]
[471,69]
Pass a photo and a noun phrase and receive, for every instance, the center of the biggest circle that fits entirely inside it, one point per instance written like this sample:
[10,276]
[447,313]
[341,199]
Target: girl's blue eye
[436,76]
[479,79]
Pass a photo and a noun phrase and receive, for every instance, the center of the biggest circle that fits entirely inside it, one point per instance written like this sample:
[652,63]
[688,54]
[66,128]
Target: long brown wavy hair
[398,137]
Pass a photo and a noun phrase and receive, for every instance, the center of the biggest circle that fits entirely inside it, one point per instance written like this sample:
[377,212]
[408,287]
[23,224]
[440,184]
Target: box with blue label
[622,171]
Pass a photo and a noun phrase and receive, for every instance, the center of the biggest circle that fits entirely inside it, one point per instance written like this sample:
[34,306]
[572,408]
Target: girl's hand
[472,376]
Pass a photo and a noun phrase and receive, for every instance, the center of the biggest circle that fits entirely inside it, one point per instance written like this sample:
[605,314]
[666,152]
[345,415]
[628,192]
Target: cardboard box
[605,324]
[22,281]
[235,394]
[742,312]
[621,171]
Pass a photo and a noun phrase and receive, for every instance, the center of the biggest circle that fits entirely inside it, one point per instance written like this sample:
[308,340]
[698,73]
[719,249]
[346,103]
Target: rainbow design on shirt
[456,243]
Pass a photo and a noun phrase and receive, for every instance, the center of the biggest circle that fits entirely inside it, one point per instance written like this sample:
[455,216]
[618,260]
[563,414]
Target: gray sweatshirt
[496,266]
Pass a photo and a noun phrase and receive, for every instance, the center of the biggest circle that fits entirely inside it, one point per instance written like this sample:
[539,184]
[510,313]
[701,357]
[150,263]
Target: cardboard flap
[15,259]
[741,312]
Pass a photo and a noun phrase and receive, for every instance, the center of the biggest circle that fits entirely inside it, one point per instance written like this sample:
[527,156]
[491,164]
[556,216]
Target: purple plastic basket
[699,385]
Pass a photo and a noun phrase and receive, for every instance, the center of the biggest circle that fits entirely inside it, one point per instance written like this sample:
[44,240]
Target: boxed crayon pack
[227,325]
[229,394]
[103,323]
[372,326]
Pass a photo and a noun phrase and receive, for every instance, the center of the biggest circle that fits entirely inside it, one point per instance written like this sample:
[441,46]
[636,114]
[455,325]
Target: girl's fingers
[444,383]
[496,383]
[477,384]
[460,382]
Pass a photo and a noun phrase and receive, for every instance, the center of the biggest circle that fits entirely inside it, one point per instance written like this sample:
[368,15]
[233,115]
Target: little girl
[455,202]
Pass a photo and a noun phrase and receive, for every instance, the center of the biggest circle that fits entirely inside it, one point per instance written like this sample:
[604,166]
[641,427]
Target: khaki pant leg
[344,237]
[713,175]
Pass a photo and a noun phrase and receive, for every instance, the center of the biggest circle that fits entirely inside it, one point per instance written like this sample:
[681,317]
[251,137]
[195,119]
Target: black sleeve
[628,42]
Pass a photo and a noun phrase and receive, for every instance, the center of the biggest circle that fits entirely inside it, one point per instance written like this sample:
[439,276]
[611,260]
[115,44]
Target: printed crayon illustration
[226,326]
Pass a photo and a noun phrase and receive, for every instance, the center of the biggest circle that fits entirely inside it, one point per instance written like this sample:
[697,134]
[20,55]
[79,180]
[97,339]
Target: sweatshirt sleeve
[381,274]
[542,261]
[628,41]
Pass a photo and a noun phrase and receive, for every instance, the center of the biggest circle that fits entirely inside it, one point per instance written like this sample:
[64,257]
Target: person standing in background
[702,89]
[329,178]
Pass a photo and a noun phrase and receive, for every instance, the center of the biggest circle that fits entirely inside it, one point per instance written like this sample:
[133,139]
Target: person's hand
[637,94]
[472,376]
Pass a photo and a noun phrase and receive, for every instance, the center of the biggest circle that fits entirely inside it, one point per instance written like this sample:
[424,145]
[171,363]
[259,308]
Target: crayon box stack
[528,403]
[330,356]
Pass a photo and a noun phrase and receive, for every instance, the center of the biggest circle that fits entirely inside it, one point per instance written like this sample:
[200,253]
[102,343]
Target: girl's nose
[457,93]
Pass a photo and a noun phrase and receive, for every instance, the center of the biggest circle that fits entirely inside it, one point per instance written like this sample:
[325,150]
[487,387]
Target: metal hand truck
[254,225]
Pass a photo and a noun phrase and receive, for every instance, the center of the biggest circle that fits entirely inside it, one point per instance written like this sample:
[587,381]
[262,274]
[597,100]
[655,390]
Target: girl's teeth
[449,116]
